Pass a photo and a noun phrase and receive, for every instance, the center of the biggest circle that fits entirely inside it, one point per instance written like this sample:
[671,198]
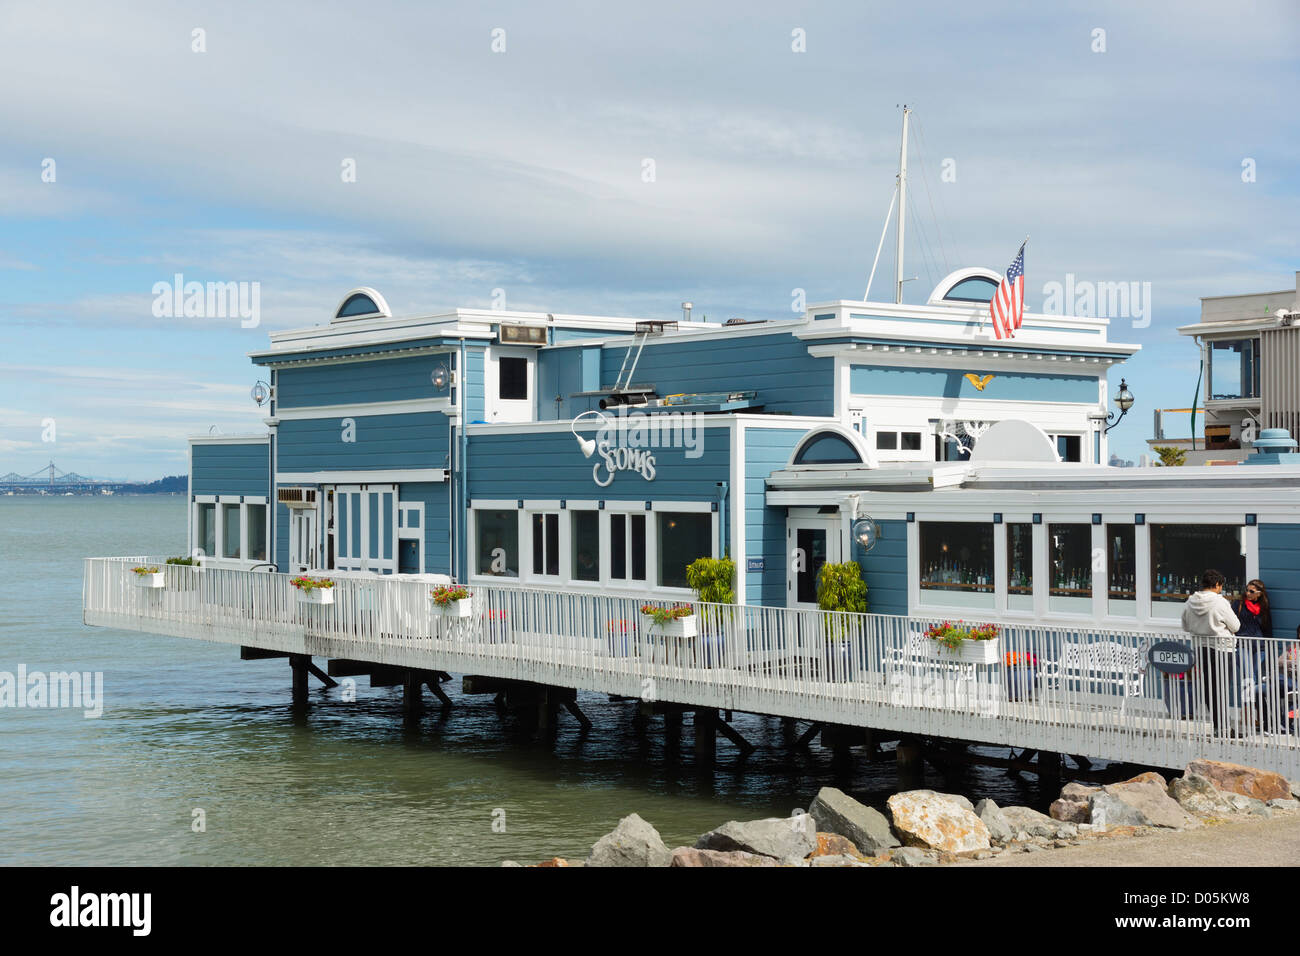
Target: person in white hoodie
[1208,618]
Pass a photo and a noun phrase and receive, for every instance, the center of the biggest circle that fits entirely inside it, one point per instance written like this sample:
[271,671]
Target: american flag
[1007,306]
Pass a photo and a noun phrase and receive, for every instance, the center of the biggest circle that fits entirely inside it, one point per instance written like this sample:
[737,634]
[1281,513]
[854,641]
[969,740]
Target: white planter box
[316,596]
[968,652]
[681,627]
[154,580]
[461,608]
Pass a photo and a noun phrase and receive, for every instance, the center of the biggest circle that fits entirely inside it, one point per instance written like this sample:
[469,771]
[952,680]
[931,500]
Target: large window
[1020,567]
[546,544]
[585,535]
[205,529]
[1180,554]
[1121,570]
[498,542]
[256,532]
[1234,369]
[683,537]
[627,547]
[957,557]
[230,531]
[1070,553]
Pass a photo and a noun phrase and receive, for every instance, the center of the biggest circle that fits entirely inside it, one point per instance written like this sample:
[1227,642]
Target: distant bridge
[52,480]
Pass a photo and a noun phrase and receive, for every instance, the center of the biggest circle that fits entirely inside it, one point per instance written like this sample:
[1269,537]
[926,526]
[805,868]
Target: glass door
[811,543]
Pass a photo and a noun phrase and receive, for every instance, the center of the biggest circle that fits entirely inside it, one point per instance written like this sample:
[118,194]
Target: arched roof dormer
[966,287]
[362,303]
[832,445]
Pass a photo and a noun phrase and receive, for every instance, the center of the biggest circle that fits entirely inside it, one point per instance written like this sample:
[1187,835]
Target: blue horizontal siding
[382,380]
[777,366]
[413,440]
[550,465]
[230,469]
[884,568]
[953,383]
[474,385]
[437,522]
[766,450]
[1279,556]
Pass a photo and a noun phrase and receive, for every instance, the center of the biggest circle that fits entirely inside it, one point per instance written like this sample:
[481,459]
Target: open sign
[1171,657]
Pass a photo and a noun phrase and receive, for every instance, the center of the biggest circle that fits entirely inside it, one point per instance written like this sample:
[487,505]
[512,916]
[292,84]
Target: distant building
[1250,350]
[1117,462]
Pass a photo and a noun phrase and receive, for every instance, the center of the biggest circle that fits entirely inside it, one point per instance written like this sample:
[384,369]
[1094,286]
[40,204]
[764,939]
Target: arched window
[357,304]
[827,448]
[974,289]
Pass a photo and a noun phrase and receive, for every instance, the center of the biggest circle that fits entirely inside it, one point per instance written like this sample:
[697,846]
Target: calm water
[187,725]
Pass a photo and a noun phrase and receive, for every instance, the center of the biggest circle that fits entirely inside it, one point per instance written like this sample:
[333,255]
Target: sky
[499,145]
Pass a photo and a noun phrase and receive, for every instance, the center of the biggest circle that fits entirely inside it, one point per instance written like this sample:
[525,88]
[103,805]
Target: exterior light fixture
[1124,400]
[862,529]
[440,377]
[260,393]
[588,445]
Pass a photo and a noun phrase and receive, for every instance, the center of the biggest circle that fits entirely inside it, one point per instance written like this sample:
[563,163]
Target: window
[887,441]
[1234,369]
[957,556]
[498,542]
[974,289]
[827,448]
[1180,554]
[512,381]
[1121,570]
[1020,567]
[683,537]
[898,441]
[230,531]
[586,545]
[205,530]
[546,544]
[357,304]
[909,441]
[256,521]
[627,547]
[1069,447]
[1070,553]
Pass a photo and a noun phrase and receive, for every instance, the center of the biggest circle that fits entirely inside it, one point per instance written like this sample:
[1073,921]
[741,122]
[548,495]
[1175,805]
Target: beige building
[1250,350]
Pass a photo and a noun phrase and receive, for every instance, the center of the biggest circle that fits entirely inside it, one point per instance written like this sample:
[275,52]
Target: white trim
[494,504]
[382,309]
[390,476]
[736,502]
[615,423]
[246,439]
[541,504]
[404,406]
[836,427]
[204,499]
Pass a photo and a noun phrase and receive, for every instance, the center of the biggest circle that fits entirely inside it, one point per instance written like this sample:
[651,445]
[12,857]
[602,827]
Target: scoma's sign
[1170,657]
[626,441]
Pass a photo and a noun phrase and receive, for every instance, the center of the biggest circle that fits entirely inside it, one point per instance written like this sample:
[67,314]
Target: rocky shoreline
[927,828]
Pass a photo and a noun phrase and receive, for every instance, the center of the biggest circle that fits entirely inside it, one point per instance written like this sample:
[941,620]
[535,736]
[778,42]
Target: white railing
[1074,690]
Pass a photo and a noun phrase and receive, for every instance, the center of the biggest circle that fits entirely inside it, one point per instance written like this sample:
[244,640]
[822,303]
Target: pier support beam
[909,758]
[706,734]
[300,664]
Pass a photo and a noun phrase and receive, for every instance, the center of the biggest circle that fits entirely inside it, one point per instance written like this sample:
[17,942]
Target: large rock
[779,837]
[689,856]
[1198,796]
[832,844]
[1140,802]
[1072,805]
[939,821]
[836,812]
[1248,781]
[913,856]
[1030,824]
[1000,829]
[1244,804]
[632,843]
[837,860]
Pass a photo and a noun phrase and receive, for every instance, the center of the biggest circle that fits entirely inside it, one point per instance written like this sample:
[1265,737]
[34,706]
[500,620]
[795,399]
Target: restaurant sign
[1170,657]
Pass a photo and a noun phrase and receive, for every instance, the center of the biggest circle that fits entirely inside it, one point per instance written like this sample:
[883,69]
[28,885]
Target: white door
[810,543]
[302,540]
[365,528]
[509,383]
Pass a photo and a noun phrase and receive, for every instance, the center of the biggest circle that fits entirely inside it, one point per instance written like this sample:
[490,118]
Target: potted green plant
[713,581]
[452,600]
[313,590]
[840,588]
[148,576]
[976,644]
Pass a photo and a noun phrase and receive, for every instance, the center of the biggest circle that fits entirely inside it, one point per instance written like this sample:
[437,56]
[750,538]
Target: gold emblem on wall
[978,382]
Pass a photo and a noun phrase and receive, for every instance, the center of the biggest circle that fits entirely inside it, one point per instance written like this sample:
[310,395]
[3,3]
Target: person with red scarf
[1257,621]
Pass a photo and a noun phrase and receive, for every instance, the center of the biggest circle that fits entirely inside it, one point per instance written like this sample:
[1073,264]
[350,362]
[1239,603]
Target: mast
[902,211]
